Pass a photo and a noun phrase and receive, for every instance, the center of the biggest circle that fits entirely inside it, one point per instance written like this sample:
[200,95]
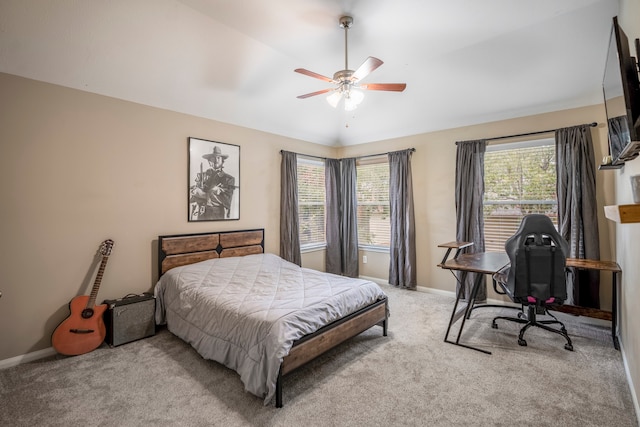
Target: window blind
[374,225]
[519,180]
[311,199]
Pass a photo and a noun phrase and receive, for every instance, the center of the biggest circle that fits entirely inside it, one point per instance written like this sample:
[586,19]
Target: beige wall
[628,235]
[77,168]
[433,168]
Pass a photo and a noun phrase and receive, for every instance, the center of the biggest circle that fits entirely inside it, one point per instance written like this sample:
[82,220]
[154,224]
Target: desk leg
[453,318]
[472,300]
[614,310]
[464,313]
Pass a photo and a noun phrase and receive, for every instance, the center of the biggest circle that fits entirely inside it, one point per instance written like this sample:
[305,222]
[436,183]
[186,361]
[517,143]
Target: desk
[492,262]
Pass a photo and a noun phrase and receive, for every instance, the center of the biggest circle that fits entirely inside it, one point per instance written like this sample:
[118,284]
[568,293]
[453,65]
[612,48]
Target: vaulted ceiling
[464,61]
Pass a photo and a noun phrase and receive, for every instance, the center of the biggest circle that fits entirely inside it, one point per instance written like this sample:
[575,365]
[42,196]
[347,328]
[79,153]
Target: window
[311,197]
[374,225]
[520,179]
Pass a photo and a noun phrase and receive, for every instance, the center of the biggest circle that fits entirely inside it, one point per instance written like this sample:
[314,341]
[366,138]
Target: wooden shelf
[624,214]
[611,166]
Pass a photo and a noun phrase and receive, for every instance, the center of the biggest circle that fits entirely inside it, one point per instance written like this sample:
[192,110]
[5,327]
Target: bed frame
[182,249]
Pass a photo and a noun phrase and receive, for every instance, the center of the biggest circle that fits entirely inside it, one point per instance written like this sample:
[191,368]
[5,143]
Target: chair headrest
[541,228]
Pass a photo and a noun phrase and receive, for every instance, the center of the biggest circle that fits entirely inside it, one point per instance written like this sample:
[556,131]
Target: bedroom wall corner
[78,168]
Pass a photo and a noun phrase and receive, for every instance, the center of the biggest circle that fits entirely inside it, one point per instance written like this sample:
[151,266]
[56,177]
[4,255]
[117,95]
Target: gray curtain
[469,217]
[333,217]
[402,263]
[349,208]
[341,217]
[289,223]
[577,209]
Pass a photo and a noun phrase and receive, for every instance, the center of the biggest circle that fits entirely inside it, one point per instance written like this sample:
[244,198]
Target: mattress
[246,312]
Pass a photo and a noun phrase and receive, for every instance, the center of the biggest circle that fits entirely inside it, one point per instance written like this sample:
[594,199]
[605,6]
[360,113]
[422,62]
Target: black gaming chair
[536,275]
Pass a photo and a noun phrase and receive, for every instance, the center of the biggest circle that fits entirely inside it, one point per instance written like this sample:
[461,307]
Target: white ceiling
[464,61]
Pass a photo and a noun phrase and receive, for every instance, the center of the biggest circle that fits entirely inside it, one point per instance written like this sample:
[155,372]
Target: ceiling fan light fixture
[352,99]
[334,98]
[352,96]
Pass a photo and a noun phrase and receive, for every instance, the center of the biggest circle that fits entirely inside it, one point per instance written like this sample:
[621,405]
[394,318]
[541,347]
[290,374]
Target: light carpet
[409,378]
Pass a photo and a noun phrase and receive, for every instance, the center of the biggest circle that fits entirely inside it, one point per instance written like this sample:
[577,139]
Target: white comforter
[246,312]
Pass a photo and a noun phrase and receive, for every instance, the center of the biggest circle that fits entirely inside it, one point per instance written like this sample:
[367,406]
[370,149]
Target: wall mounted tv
[621,89]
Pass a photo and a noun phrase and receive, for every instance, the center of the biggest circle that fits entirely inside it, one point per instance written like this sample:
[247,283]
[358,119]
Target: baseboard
[632,388]
[418,288]
[25,358]
[442,292]
[375,280]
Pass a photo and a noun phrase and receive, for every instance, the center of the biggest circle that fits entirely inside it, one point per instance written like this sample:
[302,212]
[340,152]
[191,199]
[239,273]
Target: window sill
[323,246]
[313,248]
[381,249]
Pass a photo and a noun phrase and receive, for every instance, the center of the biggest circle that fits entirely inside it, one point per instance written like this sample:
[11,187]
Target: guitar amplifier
[130,318]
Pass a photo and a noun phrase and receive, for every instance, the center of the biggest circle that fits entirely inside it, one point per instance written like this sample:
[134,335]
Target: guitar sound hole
[87,313]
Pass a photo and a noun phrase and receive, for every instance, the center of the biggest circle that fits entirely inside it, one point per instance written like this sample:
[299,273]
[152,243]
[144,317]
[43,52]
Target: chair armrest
[500,277]
[495,288]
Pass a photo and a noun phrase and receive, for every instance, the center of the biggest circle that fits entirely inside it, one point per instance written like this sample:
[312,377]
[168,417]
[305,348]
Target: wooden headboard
[183,249]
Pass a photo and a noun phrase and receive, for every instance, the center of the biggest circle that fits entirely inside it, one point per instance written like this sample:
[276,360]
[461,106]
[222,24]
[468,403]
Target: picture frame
[213,190]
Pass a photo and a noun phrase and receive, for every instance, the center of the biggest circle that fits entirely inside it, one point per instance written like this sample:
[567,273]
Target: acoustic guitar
[83,331]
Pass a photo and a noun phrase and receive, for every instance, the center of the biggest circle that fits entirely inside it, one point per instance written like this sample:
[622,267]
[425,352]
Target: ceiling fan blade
[367,67]
[395,87]
[320,92]
[312,74]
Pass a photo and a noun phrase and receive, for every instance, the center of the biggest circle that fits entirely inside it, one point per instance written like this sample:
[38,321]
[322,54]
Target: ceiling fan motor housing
[343,76]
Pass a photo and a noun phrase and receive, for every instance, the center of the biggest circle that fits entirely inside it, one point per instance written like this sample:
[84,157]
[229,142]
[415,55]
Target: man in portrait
[212,194]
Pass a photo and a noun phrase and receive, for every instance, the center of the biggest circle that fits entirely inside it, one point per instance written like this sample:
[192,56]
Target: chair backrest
[538,259]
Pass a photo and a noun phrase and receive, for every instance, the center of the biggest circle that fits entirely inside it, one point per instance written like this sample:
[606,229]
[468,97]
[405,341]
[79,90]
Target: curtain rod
[358,157]
[594,124]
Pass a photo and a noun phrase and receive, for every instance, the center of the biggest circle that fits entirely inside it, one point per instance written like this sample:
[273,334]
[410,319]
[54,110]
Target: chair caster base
[494,325]
[568,347]
[522,342]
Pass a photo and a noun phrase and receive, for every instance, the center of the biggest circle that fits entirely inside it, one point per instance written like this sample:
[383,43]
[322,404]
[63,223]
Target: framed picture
[214,181]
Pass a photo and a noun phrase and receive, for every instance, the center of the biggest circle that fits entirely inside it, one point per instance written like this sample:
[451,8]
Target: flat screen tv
[622,97]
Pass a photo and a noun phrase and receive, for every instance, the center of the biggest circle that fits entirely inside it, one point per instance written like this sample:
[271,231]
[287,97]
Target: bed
[254,312]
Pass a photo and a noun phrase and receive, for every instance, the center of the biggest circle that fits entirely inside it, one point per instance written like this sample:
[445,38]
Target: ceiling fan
[347,81]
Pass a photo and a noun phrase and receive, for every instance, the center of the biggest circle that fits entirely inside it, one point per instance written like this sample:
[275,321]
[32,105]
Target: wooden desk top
[483,262]
[455,245]
[594,264]
[490,262]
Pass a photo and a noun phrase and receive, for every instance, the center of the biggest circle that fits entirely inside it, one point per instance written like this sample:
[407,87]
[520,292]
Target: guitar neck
[96,283]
